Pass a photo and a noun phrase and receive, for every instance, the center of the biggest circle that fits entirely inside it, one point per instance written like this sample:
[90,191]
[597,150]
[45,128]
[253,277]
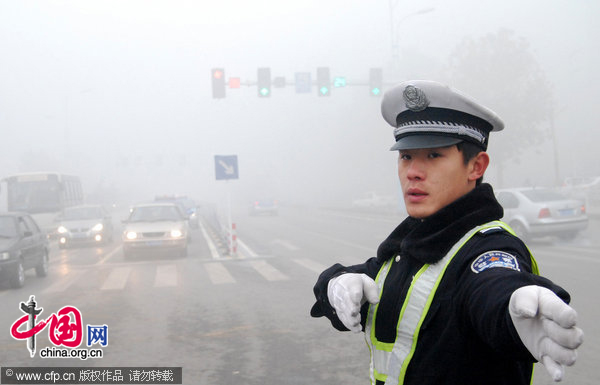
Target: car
[264,207]
[23,246]
[586,189]
[187,206]
[540,212]
[84,225]
[373,200]
[155,227]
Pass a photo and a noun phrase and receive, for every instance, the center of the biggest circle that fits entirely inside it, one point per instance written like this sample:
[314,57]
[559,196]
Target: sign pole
[232,250]
[226,168]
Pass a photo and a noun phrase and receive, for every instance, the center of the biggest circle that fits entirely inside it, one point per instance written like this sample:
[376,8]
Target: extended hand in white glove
[546,325]
[347,293]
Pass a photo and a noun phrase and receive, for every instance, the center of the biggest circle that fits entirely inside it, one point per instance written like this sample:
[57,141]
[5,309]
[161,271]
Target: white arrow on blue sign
[226,167]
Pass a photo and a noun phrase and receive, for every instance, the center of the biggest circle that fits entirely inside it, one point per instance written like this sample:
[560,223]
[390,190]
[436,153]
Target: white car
[155,227]
[538,212]
[373,200]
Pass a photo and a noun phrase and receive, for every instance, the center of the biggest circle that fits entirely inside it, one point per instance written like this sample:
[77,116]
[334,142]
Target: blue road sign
[226,167]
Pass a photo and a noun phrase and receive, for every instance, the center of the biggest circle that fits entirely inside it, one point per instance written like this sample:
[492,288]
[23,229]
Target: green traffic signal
[264,82]
[323,81]
[339,81]
[375,81]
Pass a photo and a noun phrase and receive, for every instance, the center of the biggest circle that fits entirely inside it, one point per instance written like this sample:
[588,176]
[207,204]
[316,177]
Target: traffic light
[375,81]
[339,81]
[264,82]
[323,82]
[218,83]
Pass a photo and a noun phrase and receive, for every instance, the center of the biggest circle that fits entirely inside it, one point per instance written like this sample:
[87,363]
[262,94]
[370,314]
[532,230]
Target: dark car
[264,207]
[85,224]
[22,246]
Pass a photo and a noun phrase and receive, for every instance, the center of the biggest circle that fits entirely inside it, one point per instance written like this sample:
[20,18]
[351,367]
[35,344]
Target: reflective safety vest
[389,361]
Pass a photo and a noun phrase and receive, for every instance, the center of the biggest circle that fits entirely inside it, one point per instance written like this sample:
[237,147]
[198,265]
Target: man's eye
[434,154]
[404,157]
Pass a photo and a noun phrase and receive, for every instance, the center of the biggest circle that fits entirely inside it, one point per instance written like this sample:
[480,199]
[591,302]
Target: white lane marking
[285,244]
[109,255]
[248,250]
[209,242]
[218,274]
[166,275]
[310,264]
[268,272]
[62,285]
[117,279]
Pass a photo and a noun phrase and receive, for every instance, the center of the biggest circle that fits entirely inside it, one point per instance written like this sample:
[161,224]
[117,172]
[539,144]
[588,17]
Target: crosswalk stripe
[268,272]
[310,264]
[247,248]
[218,274]
[63,284]
[117,279]
[166,275]
[285,244]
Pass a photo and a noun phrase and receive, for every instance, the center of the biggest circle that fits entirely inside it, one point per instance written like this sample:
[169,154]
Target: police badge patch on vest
[493,259]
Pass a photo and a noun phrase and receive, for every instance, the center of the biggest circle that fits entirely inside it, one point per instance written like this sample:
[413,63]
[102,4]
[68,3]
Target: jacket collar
[429,239]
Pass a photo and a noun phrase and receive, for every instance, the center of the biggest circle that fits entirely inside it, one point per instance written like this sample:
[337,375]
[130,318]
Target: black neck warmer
[428,240]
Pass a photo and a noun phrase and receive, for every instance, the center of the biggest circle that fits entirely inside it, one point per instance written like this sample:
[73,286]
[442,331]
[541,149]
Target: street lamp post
[394,24]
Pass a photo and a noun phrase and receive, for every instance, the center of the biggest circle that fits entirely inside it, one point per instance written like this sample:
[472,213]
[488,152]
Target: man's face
[432,178]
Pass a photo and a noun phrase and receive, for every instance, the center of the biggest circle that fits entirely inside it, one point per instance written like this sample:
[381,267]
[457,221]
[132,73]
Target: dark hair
[469,151]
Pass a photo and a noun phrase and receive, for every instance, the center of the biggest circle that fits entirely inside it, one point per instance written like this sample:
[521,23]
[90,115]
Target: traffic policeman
[453,295]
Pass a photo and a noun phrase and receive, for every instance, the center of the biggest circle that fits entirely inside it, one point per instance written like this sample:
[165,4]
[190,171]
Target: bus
[41,194]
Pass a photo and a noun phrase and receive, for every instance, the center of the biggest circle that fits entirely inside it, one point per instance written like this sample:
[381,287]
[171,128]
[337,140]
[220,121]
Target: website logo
[65,329]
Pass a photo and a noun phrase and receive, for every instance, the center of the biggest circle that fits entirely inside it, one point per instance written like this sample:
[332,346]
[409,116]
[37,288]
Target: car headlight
[131,235]
[61,229]
[4,256]
[98,227]
[176,233]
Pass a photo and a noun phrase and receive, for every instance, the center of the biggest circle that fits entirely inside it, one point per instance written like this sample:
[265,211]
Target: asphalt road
[245,319]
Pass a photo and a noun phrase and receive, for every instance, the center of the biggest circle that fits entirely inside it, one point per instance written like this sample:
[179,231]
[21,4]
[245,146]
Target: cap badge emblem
[415,99]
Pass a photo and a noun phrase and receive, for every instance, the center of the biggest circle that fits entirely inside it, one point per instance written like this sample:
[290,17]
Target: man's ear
[478,165]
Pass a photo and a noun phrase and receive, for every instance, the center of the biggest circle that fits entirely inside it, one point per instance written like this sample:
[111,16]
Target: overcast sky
[119,91]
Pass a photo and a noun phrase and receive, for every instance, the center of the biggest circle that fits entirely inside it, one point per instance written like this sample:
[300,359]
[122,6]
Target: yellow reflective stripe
[534,266]
[380,377]
[420,296]
[378,349]
[425,286]
[372,313]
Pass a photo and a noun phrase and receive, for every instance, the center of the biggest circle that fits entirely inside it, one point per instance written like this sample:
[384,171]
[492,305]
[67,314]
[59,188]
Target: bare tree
[502,72]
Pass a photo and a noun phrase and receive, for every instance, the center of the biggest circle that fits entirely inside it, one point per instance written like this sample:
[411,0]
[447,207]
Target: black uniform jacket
[467,336]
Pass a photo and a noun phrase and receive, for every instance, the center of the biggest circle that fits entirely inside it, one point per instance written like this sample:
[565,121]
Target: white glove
[347,293]
[546,325]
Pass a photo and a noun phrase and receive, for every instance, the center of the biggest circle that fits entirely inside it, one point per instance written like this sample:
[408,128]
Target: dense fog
[119,92]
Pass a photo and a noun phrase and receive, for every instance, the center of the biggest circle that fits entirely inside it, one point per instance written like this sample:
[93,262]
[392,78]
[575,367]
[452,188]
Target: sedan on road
[86,224]
[155,227]
[537,212]
[264,207]
[22,246]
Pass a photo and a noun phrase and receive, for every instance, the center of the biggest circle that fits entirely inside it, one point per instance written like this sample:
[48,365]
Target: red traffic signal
[218,83]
